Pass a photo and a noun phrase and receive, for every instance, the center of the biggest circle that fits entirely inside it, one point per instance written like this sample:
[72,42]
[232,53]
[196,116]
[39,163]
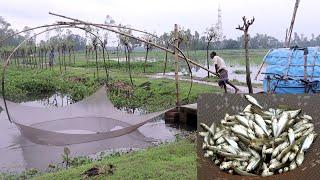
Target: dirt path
[242,89]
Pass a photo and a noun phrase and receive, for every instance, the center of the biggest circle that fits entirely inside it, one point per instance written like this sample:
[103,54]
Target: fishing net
[92,119]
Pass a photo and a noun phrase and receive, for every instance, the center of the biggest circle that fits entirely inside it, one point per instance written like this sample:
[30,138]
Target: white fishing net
[92,119]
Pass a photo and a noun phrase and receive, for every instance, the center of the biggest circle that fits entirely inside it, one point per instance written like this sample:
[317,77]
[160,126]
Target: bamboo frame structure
[179,55]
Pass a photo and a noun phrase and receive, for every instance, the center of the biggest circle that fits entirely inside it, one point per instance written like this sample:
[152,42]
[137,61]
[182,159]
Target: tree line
[188,40]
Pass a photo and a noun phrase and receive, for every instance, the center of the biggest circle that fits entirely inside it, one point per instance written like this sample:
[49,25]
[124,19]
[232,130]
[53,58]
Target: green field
[232,57]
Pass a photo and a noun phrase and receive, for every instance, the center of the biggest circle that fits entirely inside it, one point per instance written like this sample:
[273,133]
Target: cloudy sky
[272,16]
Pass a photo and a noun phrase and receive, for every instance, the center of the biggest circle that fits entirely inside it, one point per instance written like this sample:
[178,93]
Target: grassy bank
[176,160]
[172,161]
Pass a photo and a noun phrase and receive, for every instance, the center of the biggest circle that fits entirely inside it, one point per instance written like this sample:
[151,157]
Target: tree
[212,33]
[245,28]
[148,47]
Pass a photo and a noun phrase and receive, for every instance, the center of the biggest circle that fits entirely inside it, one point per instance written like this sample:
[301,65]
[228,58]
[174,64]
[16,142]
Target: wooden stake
[176,61]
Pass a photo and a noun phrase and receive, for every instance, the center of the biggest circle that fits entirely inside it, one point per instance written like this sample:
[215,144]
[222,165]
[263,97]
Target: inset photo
[255,136]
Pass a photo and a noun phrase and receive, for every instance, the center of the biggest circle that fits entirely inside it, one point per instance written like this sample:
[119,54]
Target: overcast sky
[272,16]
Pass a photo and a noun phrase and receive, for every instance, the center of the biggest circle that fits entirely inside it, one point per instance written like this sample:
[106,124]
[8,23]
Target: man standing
[221,70]
[51,58]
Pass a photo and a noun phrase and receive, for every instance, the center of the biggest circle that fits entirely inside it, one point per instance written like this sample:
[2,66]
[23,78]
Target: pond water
[17,153]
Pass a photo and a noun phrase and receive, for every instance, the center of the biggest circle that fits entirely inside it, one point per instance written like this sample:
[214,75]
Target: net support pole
[305,68]
[176,65]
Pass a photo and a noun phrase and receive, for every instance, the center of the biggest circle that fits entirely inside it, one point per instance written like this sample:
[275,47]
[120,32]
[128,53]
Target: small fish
[292,156]
[291,136]
[294,114]
[248,109]
[307,142]
[259,120]
[219,134]
[283,120]
[300,158]
[269,151]
[242,120]
[266,173]
[242,172]
[274,126]
[303,127]
[232,143]
[253,164]
[206,128]
[225,165]
[220,140]
[286,169]
[230,149]
[254,153]
[238,130]
[253,101]
[300,123]
[293,165]
[275,165]
[259,131]
[278,149]
[286,157]
[203,134]
[307,117]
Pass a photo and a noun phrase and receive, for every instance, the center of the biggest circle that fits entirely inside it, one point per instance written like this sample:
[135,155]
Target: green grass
[232,57]
[172,161]
[80,82]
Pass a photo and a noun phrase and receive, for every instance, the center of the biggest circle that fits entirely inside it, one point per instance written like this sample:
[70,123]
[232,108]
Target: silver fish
[242,172]
[220,140]
[274,126]
[253,101]
[283,120]
[248,109]
[291,136]
[219,134]
[206,128]
[232,143]
[253,164]
[260,121]
[292,156]
[286,157]
[203,134]
[293,165]
[294,114]
[303,127]
[307,142]
[242,120]
[300,158]
[238,130]
[307,117]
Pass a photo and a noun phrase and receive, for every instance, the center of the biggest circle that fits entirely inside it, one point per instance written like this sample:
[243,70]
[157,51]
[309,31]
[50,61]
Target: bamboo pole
[305,69]
[292,22]
[176,65]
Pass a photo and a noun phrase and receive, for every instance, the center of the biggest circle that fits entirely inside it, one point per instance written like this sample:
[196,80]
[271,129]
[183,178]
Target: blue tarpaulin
[286,70]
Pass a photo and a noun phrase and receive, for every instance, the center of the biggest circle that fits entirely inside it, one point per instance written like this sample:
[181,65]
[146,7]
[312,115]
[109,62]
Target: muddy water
[17,153]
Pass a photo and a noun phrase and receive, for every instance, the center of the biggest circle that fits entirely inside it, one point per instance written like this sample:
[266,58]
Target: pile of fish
[259,142]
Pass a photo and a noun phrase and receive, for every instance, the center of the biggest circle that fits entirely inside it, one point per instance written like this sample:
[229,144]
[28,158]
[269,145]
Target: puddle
[18,153]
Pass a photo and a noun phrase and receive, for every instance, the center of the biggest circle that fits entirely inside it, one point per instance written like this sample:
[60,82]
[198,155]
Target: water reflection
[18,153]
